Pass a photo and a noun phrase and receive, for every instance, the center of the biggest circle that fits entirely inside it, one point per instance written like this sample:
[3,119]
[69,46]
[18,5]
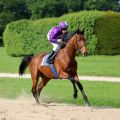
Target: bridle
[76,48]
[79,49]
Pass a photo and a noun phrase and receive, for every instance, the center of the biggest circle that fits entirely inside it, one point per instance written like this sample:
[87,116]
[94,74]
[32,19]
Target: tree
[47,8]
[75,5]
[11,10]
[17,8]
[101,5]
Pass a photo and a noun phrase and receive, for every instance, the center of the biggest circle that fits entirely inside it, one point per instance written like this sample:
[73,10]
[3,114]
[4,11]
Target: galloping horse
[65,65]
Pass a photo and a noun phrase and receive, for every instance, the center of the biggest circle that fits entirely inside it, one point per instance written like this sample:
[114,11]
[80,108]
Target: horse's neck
[70,51]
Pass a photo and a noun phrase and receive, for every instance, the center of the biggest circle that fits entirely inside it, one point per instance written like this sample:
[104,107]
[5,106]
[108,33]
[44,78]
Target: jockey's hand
[59,40]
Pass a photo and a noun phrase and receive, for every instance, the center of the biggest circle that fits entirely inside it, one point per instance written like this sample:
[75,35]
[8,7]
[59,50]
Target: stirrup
[50,61]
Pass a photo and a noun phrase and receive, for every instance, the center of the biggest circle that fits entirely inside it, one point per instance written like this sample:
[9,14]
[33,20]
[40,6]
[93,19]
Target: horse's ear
[78,31]
[82,32]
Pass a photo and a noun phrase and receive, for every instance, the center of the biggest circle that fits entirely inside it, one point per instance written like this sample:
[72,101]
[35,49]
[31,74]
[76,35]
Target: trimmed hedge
[85,20]
[26,36]
[1,41]
[107,29]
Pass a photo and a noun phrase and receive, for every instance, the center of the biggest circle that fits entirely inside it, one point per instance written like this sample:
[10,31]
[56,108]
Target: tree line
[12,10]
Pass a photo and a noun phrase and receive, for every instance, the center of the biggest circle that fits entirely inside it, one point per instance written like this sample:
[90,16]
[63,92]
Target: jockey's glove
[59,40]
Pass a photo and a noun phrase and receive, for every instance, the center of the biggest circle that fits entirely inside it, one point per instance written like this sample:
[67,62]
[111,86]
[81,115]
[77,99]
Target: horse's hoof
[75,96]
[38,103]
[87,104]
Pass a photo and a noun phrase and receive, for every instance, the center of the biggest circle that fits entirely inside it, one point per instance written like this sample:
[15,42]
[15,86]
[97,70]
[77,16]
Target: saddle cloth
[44,63]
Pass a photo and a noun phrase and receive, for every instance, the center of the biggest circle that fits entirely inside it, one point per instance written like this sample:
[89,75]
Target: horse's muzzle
[85,54]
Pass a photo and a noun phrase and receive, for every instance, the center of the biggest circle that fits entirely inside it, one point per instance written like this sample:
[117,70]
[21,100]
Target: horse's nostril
[85,54]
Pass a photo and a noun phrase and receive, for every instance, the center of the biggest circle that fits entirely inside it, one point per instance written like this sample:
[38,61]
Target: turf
[91,65]
[99,65]
[8,64]
[99,93]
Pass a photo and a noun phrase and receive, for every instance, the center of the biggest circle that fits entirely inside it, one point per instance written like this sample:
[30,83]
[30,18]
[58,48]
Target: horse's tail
[24,63]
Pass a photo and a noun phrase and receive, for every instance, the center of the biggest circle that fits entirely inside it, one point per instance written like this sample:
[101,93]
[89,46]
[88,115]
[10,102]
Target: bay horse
[64,63]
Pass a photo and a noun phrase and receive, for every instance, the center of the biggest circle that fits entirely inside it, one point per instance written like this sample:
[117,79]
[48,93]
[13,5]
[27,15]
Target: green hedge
[26,36]
[1,41]
[107,29]
[85,20]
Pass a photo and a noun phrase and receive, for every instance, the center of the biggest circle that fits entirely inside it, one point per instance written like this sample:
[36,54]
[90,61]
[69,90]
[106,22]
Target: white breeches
[55,46]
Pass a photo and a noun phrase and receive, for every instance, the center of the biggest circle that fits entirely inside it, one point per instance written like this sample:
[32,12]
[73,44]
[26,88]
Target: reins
[68,45]
[72,46]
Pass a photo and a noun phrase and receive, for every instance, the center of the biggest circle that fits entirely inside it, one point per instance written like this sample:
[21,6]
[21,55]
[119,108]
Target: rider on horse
[56,35]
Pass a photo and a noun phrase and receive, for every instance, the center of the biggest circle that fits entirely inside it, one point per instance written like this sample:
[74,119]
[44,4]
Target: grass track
[99,93]
[91,65]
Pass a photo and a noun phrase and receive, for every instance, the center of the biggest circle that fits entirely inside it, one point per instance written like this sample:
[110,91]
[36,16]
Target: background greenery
[30,37]
[12,10]
[107,29]
[91,65]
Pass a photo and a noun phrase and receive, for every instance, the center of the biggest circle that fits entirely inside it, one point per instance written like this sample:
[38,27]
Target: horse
[64,63]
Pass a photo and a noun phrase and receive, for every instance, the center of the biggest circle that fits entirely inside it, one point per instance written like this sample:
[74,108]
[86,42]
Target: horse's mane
[78,31]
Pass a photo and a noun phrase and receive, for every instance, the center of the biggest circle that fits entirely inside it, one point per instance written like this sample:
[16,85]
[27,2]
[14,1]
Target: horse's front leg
[77,81]
[74,88]
[65,75]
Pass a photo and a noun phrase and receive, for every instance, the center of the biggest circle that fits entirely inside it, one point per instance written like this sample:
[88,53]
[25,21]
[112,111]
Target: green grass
[12,87]
[7,63]
[99,65]
[99,93]
[91,65]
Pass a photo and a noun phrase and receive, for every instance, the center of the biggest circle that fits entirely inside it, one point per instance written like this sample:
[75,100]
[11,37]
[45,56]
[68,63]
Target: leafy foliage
[85,21]
[28,36]
[108,32]
[101,5]
[47,8]
[12,10]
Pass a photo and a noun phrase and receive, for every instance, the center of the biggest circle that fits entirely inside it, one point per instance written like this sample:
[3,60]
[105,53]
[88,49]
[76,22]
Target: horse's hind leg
[34,87]
[82,91]
[43,82]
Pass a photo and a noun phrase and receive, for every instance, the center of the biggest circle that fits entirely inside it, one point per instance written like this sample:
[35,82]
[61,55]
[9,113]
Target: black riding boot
[51,58]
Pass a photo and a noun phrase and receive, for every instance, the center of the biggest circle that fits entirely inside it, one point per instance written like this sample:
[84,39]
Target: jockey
[55,36]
